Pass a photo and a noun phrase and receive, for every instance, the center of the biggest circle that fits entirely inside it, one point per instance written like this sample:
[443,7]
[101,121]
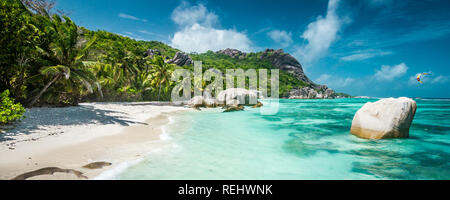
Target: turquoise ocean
[306,139]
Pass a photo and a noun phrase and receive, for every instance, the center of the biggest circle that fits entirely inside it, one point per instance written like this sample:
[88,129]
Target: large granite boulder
[243,96]
[232,99]
[181,59]
[196,102]
[203,101]
[386,118]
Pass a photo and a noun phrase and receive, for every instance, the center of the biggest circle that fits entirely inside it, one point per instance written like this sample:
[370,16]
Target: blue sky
[361,47]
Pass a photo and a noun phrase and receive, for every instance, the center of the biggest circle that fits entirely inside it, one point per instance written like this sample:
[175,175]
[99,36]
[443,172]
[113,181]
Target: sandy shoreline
[69,138]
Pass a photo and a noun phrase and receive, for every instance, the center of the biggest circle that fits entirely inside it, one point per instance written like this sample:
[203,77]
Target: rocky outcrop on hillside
[286,62]
[289,64]
[234,53]
[152,52]
[181,59]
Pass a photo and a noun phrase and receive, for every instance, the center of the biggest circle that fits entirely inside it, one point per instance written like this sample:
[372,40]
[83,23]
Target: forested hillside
[46,59]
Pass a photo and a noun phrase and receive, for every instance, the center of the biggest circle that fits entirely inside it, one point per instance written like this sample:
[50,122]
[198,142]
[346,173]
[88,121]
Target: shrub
[9,111]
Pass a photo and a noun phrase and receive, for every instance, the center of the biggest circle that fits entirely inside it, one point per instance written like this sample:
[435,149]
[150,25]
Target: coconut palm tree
[67,52]
[162,73]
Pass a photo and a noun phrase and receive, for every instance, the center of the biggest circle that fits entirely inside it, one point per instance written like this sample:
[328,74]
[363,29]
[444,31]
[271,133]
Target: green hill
[49,60]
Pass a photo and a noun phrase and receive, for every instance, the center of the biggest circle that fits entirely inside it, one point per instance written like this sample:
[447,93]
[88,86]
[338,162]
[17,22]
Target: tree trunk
[18,89]
[159,93]
[43,90]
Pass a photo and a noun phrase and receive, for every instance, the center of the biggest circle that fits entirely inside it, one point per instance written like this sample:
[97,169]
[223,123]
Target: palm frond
[53,70]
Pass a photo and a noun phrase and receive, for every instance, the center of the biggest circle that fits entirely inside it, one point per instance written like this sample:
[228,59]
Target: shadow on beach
[39,118]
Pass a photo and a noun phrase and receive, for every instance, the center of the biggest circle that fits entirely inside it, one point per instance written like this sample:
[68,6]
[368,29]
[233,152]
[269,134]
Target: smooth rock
[386,118]
[196,102]
[258,105]
[243,96]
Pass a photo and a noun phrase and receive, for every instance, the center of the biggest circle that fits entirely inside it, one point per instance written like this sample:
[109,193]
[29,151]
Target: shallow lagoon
[306,139]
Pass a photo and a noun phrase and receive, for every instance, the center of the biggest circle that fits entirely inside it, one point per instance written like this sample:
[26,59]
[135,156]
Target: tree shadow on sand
[37,118]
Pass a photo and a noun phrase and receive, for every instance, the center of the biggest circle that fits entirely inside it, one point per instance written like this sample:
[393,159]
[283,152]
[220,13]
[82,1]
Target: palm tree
[142,82]
[123,62]
[162,73]
[67,53]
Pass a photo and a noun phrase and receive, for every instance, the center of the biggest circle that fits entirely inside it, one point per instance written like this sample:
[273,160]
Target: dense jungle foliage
[46,59]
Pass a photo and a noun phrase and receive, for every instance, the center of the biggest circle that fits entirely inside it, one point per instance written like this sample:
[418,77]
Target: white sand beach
[71,137]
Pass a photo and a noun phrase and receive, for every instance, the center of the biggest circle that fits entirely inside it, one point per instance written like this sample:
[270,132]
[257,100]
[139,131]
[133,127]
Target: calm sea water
[307,139]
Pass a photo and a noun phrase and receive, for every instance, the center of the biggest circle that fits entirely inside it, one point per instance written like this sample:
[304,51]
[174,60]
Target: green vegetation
[250,61]
[46,59]
[9,111]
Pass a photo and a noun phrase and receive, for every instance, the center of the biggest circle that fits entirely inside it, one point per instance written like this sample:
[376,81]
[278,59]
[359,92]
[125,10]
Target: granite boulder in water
[386,118]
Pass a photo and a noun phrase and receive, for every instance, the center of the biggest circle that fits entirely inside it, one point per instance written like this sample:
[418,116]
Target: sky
[360,47]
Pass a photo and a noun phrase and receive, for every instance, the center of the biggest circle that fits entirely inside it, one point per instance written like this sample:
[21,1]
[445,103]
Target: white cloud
[365,54]
[262,30]
[439,79]
[388,73]
[335,82]
[283,38]
[185,15]
[321,33]
[323,78]
[197,32]
[412,80]
[164,37]
[126,16]
[197,38]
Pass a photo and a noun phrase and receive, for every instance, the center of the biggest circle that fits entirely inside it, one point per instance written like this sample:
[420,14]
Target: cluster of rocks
[181,59]
[234,53]
[152,52]
[233,99]
[311,93]
[386,118]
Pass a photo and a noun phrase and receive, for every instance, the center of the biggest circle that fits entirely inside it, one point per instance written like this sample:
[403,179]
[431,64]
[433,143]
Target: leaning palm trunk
[44,90]
[159,92]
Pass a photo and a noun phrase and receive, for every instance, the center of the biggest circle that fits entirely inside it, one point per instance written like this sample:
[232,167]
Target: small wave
[121,167]
[431,99]
[112,173]
[164,136]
